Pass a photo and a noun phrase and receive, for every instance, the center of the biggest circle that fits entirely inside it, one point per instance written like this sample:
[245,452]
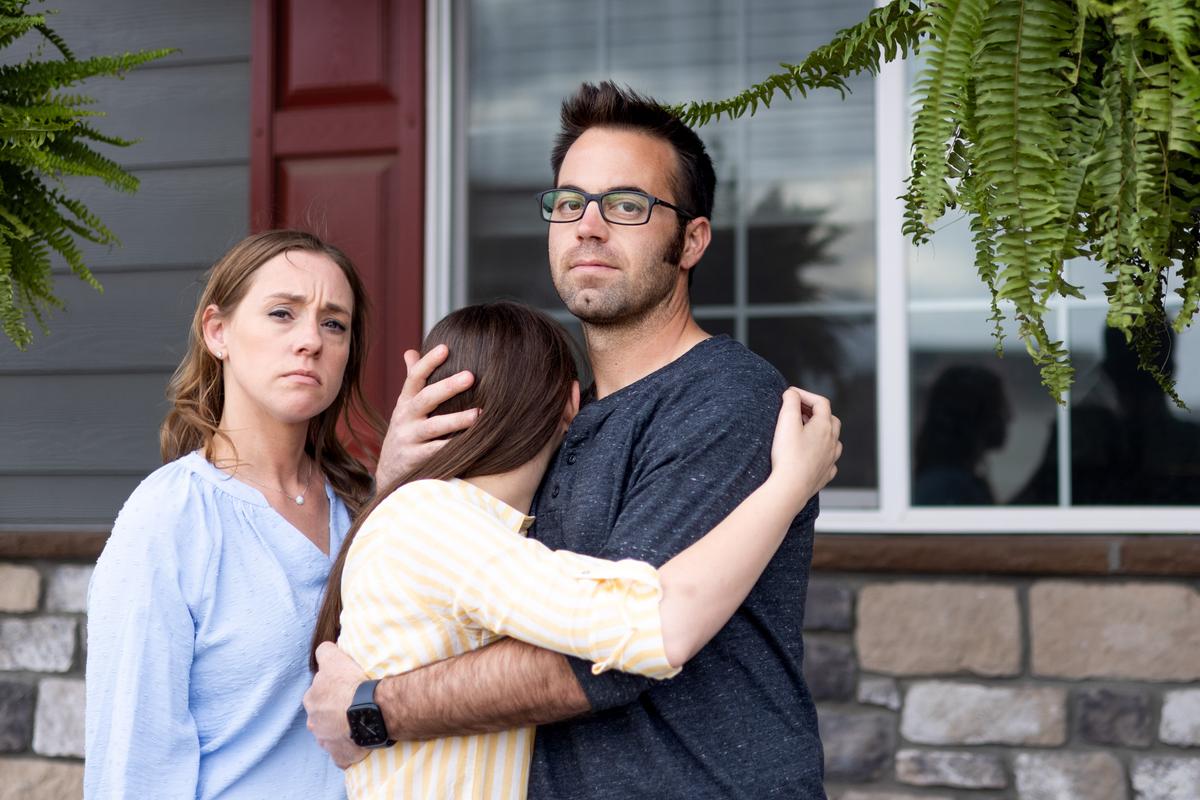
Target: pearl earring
[220,355]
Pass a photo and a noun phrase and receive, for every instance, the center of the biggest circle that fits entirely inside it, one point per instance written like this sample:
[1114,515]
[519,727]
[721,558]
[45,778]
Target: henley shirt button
[554,491]
[571,458]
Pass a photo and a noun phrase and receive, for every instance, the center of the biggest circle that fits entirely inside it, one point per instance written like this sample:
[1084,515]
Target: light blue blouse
[200,613]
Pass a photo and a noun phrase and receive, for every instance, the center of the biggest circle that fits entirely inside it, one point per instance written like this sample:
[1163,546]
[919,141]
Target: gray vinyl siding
[79,410]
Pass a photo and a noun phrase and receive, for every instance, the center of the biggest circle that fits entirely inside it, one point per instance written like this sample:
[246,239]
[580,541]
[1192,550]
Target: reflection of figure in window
[1127,448]
[965,417]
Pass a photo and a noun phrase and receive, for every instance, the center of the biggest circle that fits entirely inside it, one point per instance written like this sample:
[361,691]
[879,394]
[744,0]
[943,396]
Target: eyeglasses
[621,207]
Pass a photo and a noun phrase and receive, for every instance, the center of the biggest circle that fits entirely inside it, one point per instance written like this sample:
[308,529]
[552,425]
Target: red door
[337,147]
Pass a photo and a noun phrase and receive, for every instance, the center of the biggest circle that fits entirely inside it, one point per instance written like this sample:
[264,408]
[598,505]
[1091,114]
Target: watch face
[366,726]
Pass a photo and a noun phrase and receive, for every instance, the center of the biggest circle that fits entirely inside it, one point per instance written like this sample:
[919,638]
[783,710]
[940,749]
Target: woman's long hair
[197,390]
[524,366]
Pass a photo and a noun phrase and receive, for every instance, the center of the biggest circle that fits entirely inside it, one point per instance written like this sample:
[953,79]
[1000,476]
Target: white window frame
[444,273]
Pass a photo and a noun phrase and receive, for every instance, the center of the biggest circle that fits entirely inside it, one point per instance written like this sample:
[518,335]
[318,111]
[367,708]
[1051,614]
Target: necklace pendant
[299,499]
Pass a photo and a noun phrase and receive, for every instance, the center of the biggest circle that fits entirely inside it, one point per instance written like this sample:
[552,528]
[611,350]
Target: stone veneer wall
[1023,688]
[42,641]
[939,687]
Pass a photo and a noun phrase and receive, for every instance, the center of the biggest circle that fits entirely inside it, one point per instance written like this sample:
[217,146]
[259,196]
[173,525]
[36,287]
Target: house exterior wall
[977,686]
[944,667]
[78,409]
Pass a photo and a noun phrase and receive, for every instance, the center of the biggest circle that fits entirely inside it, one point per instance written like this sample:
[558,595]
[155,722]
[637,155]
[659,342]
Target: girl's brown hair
[197,391]
[524,366]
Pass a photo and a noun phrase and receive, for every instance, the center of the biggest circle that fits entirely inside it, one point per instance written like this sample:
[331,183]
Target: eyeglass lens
[623,208]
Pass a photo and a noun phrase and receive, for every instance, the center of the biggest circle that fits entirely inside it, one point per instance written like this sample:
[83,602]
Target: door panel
[338,120]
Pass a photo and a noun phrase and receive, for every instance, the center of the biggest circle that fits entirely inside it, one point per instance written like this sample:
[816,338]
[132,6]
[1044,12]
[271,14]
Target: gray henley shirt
[642,474]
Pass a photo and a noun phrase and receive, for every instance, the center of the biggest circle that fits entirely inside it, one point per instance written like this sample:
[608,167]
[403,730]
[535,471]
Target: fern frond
[1176,20]
[1189,292]
[886,32]
[44,136]
[96,230]
[57,41]
[84,131]
[1021,90]
[12,320]
[1062,128]
[983,235]
[74,158]
[35,78]
[941,93]
[13,28]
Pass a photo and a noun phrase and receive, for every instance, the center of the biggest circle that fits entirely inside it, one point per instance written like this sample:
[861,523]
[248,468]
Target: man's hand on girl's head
[413,435]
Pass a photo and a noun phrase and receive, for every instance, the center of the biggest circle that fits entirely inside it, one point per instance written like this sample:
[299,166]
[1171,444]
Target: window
[807,265]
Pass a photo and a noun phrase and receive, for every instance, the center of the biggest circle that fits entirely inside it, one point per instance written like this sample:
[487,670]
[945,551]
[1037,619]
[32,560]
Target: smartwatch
[367,728]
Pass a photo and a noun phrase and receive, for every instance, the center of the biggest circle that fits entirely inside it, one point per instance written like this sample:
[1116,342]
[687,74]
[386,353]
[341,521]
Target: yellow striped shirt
[441,568]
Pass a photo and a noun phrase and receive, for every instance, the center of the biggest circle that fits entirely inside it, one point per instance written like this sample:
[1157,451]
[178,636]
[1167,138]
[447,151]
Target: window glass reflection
[808,254]
[944,267]
[713,277]
[980,424]
[793,219]
[1130,445]
[833,356]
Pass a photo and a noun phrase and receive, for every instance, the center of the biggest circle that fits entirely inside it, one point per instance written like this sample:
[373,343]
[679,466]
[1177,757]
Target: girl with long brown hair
[439,564]
[203,602]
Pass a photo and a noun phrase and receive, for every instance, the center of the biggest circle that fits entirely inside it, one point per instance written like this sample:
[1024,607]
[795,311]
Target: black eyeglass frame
[588,197]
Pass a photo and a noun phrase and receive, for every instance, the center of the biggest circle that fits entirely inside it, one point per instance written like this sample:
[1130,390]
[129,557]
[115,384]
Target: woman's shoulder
[162,528]
[172,502]
[168,488]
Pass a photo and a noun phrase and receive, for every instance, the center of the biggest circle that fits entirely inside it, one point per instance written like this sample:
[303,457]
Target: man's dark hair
[609,106]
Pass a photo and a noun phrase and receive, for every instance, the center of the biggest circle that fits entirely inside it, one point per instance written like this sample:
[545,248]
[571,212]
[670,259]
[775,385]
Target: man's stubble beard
[624,303]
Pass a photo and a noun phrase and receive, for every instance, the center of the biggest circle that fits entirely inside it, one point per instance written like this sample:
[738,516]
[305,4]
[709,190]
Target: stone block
[875,690]
[938,712]
[39,779]
[1114,717]
[1069,776]
[1180,722]
[38,644]
[956,769]
[829,607]
[829,669]
[857,746]
[67,588]
[939,628]
[19,587]
[1166,778]
[1143,631]
[58,723]
[16,716]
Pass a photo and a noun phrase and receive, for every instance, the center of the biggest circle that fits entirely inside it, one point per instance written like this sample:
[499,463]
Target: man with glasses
[677,432]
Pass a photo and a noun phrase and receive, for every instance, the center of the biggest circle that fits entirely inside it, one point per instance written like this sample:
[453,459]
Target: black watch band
[367,728]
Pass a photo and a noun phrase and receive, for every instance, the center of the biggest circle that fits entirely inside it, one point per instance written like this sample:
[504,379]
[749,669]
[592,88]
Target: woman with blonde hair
[202,605]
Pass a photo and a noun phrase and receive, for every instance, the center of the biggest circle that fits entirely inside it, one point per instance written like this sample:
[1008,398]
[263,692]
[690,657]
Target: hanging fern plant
[1064,129]
[45,135]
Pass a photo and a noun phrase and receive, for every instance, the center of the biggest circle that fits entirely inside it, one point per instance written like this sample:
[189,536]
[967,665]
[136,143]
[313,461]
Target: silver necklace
[297,499]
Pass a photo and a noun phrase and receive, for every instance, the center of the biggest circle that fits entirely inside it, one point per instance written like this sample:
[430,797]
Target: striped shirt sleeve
[470,563]
[604,611]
